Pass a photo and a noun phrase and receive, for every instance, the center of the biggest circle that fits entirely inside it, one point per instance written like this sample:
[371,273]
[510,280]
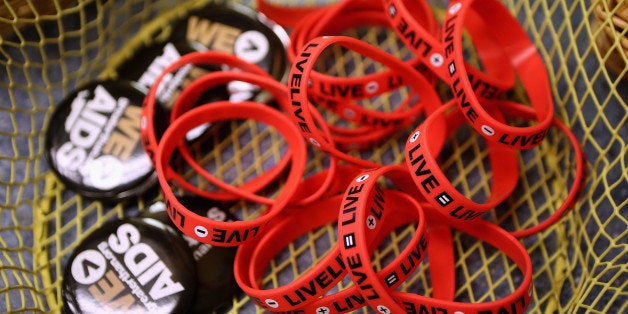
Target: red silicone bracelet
[517,110]
[522,55]
[302,109]
[362,211]
[183,103]
[287,16]
[497,80]
[216,232]
[433,183]
[338,93]
[335,92]
[516,302]
[252,258]
[438,190]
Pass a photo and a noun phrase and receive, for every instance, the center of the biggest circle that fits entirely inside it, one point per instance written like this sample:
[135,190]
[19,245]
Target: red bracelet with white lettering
[185,100]
[521,54]
[340,94]
[438,190]
[253,258]
[217,232]
[516,302]
[499,77]
[363,209]
[316,182]
[333,21]
[328,91]
[150,139]
[302,109]
[439,248]
[421,159]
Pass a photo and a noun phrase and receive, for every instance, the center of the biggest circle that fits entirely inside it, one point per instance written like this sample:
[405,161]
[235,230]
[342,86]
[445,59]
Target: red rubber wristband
[228,191]
[354,222]
[516,302]
[434,184]
[300,74]
[183,103]
[518,110]
[252,258]
[426,175]
[279,92]
[497,80]
[216,232]
[324,184]
[326,89]
[189,96]
[333,92]
[337,93]
[522,55]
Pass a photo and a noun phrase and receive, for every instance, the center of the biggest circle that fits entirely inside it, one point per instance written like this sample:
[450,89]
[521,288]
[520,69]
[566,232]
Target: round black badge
[239,30]
[130,266]
[150,61]
[216,283]
[93,142]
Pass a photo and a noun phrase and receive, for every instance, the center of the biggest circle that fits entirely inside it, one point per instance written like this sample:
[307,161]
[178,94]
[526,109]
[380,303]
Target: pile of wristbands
[364,199]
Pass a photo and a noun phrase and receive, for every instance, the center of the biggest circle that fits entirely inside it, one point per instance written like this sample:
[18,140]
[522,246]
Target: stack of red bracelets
[351,193]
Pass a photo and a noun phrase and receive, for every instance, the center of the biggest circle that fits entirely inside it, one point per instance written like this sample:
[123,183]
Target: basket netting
[580,264]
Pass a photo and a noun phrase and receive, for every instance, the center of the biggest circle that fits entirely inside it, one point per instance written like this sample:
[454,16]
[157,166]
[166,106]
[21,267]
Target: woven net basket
[580,263]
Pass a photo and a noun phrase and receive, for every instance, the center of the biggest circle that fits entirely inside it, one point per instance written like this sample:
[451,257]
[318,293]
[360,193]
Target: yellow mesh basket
[580,264]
